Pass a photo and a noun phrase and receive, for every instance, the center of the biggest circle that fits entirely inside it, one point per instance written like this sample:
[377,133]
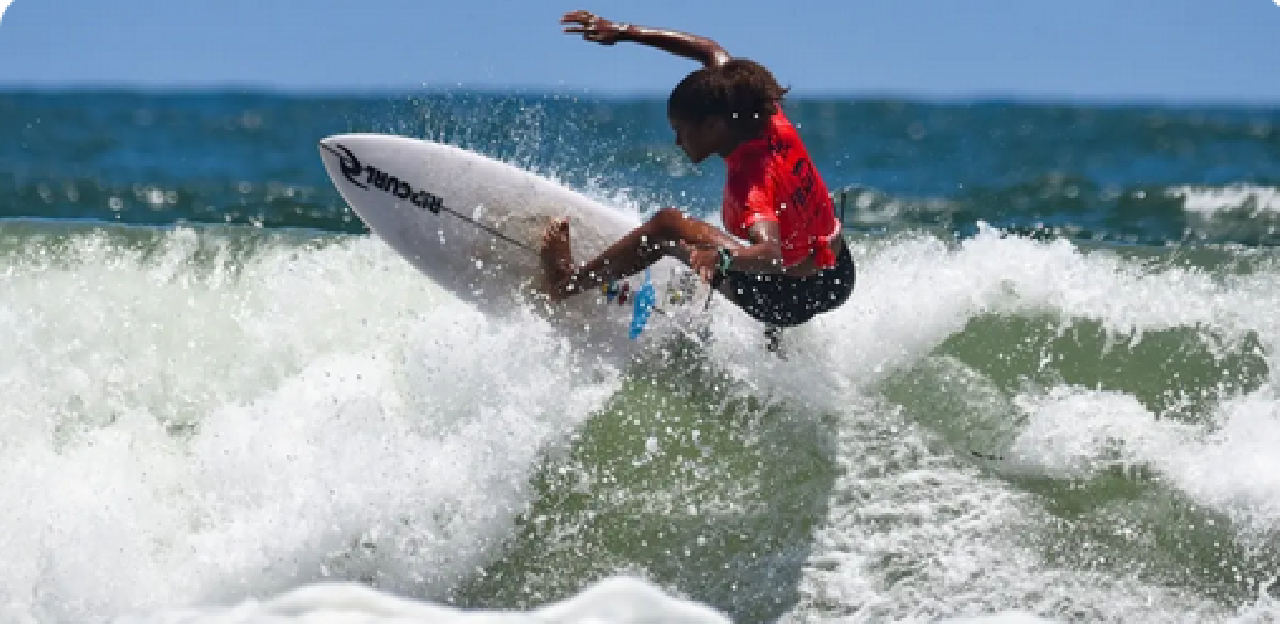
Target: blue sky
[1114,50]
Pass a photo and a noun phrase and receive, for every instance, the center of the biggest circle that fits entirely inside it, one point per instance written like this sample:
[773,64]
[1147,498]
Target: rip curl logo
[350,165]
[363,176]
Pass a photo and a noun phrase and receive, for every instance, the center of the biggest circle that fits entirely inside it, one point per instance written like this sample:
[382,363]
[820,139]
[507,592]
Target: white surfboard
[474,225]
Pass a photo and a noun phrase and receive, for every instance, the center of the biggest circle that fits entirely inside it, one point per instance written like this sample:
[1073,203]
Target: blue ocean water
[1051,395]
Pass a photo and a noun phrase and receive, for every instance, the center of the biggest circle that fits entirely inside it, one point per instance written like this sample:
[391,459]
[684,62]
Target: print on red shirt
[771,178]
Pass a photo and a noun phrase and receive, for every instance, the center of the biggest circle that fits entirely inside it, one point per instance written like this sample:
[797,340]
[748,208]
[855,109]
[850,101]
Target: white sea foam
[186,435]
[177,435]
[1230,467]
[618,600]
[918,531]
[1246,199]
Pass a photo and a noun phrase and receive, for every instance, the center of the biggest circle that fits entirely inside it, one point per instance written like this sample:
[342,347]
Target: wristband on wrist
[725,259]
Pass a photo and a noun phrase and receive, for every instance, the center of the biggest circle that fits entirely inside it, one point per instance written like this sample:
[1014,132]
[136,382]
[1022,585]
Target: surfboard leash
[490,229]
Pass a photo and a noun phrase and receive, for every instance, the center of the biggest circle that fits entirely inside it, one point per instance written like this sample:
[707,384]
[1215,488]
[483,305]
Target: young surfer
[794,263]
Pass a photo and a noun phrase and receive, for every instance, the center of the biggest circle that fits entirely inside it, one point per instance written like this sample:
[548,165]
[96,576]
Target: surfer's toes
[556,231]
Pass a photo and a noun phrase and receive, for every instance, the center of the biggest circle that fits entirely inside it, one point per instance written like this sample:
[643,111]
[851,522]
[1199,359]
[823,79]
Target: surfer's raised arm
[607,32]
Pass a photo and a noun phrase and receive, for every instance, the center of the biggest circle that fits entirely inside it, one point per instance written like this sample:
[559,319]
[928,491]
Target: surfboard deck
[474,226]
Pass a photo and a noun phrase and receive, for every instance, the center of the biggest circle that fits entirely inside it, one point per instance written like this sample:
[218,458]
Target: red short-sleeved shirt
[770,178]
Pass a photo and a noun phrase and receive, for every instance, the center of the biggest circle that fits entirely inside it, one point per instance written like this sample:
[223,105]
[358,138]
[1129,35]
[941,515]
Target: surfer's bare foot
[557,258]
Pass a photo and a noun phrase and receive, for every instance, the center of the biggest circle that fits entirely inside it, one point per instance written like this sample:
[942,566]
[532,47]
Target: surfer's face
[698,139]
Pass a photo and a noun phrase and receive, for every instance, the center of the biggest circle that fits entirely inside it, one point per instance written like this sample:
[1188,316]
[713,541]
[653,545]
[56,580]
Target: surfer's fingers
[687,250]
[589,33]
[578,17]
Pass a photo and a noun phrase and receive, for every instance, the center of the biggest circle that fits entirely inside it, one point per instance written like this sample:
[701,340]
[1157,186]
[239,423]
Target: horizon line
[976,97]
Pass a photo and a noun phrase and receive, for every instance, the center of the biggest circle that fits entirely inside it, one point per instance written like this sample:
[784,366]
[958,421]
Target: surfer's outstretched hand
[593,27]
[702,259]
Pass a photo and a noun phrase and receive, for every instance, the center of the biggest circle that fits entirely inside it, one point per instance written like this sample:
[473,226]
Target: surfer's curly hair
[742,92]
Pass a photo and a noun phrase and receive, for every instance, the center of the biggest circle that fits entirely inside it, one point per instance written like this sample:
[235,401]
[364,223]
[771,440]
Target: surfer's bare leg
[657,237]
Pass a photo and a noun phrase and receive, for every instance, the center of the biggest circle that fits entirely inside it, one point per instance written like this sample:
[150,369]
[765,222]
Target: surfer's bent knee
[668,221]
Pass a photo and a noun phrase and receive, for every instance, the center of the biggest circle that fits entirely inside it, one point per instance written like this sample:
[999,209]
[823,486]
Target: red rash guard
[771,178]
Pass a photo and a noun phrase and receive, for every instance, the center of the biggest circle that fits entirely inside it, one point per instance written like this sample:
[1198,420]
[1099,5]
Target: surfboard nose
[334,151]
[344,147]
[329,145]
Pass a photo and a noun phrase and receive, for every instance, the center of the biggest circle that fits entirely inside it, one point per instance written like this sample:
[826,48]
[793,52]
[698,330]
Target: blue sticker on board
[642,306]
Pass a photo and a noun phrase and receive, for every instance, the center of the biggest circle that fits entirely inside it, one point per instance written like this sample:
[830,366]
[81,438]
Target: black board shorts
[783,301]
